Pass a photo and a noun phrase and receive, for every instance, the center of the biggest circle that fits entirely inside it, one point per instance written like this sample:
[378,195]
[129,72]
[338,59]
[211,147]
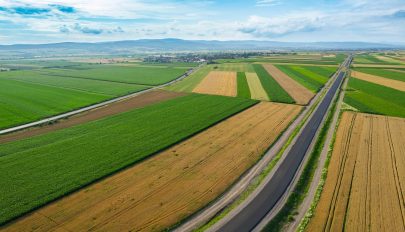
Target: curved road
[250,216]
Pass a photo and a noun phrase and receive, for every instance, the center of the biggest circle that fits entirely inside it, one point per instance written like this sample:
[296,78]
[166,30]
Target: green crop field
[40,169]
[133,75]
[189,83]
[22,102]
[243,86]
[399,76]
[372,98]
[233,67]
[113,89]
[274,91]
[311,77]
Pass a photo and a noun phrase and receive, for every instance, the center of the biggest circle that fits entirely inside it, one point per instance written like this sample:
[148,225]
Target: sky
[48,21]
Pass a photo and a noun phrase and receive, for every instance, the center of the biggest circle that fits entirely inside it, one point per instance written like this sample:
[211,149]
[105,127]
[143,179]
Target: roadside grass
[188,84]
[23,102]
[131,75]
[313,78]
[243,86]
[383,73]
[41,169]
[274,91]
[289,210]
[113,89]
[368,97]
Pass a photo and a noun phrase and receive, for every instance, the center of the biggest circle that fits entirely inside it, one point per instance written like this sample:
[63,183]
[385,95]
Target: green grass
[114,73]
[243,86]
[94,86]
[311,77]
[38,170]
[383,73]
[189,83]
[22,102]
[274,91]
[368,97]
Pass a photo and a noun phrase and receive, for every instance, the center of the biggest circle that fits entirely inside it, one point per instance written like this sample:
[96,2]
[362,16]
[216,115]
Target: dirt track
[364,189]
[115,108]
[218,83]
[168,187]
[300,94]
[399,85]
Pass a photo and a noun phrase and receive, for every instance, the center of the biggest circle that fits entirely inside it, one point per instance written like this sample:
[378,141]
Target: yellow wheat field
[218,83]
[365,185]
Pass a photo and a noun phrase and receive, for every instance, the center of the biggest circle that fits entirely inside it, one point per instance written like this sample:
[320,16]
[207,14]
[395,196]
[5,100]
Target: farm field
[394,74]
[38,170]
[243,86]
[154,75]
[150,196]
[368,97]
[364,185]
[256,89]
[113,89]
[398,85]
[55,87]
[299,93]
[139,101]
[23,102]
[218,83]
[273,89]
[313,78]
[189,83]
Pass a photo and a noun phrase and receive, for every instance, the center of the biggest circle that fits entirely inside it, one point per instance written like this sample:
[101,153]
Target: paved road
[256,210]
[87,108]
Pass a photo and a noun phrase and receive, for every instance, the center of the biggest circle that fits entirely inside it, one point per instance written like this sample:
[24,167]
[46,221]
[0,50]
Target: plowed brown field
[172,185]
[399,85]
[218,83]
[365,186]
[114,108]
[300,94]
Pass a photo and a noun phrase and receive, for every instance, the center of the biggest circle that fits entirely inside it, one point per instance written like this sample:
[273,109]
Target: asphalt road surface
[257,209]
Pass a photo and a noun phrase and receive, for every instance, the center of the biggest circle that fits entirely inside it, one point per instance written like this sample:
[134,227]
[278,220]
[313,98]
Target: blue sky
[33,21]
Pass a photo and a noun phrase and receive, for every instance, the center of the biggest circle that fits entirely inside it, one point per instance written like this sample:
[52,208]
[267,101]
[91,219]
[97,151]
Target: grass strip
[274,91]
[243,86]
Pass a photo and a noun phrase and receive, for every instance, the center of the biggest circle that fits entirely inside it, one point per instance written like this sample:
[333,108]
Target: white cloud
[267,2]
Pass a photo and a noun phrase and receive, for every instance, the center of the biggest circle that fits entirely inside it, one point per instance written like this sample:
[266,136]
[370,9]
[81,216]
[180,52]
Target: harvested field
[300,94]
[115,108]
[256,89]
[218,83]
[364,189]
[170,186]
[399,85]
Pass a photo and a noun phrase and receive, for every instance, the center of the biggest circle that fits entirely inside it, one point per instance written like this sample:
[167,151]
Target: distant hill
[171,45]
